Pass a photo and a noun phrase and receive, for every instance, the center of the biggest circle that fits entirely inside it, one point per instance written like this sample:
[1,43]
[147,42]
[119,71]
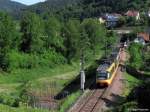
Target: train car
[107,70]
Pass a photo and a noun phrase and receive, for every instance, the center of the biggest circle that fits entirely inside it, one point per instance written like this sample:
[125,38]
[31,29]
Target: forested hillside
[89,8]
[11,7]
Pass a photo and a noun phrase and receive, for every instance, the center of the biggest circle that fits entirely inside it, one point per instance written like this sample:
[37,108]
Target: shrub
[69,101]
[28,61]
[9,99]
[127,107]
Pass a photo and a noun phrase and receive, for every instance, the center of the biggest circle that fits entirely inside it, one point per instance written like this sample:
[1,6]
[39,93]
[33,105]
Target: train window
[102,75]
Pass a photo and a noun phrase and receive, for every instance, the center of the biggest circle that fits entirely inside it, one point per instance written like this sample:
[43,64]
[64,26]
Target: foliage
[71,35]
[136,60]
[66,9]
[95,32]
[129,106]
[7,35]
[53,37]
[38,47]
[146,58]
[122,21]
[32,33]
[70,99]
[143,95]
[11,100]
[22,60]
[4,108]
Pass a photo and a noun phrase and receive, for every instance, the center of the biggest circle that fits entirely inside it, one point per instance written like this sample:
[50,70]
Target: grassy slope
[131,82]
[11,82]
[4,108]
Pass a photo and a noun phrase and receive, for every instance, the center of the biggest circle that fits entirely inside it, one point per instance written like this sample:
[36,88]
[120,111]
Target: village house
[111,19]
[148,13]
[131,13]
[101,20]
[142,38]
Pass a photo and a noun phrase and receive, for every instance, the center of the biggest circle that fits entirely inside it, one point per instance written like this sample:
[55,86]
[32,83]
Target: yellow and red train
[107,70]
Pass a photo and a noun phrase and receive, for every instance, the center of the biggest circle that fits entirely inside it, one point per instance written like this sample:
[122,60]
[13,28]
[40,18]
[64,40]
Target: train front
[102,79]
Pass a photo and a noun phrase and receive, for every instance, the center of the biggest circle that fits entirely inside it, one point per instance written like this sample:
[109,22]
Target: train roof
[103,67]
[106,62]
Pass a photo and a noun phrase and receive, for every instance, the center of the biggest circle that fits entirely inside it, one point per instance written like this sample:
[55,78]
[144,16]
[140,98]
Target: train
[106,71]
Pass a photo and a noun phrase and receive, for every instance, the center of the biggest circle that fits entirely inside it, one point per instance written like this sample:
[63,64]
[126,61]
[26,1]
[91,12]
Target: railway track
[93,100]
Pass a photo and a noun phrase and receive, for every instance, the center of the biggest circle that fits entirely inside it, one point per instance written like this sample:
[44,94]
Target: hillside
[11,7]
[88,8]
[51,5]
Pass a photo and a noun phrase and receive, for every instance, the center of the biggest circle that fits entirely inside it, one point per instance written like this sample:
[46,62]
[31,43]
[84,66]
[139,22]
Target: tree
[71,36]
[32,33]
[53,34]
[95,32]
[7,35]
[121,21]
[136,55]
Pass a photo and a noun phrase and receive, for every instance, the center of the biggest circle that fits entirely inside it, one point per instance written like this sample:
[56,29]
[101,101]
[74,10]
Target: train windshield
[102,75]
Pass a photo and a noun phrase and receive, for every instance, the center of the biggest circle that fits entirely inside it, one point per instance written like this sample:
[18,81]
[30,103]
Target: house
[142,38]
[145,36]
[112,19]
[132,13]
[148,13]
[139,40]
[101,20]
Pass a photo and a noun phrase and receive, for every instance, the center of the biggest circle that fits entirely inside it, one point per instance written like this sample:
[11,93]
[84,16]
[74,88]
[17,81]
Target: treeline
[89,8]
[37,41]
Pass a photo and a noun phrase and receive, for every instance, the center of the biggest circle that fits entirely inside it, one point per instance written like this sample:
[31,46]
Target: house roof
[145,36]
[111,17]
[132,13]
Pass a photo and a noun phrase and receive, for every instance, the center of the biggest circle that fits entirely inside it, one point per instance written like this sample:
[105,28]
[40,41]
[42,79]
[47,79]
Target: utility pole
[82,72]
[106,46]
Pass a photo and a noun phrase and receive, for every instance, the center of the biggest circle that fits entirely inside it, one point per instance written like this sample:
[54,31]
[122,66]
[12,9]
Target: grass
[4,108]
[45,84]
[131,82]
[8,88]
[69,101]
[38,80]
[19,76]
[12,83]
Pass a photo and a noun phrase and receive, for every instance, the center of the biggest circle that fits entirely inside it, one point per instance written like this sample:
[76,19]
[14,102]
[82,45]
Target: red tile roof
[131,13]
[145,36]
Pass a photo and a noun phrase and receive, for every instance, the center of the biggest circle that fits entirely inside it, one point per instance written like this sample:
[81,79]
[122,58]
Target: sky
[29,2]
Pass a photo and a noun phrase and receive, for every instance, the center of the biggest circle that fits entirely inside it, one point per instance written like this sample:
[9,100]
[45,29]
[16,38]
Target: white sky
[29,2]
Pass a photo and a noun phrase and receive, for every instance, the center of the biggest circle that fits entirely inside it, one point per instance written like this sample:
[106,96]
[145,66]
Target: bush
[9,99]
[69,101]
[21,60]
[51,59]
[136,59]
[28,61]
[127,107]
